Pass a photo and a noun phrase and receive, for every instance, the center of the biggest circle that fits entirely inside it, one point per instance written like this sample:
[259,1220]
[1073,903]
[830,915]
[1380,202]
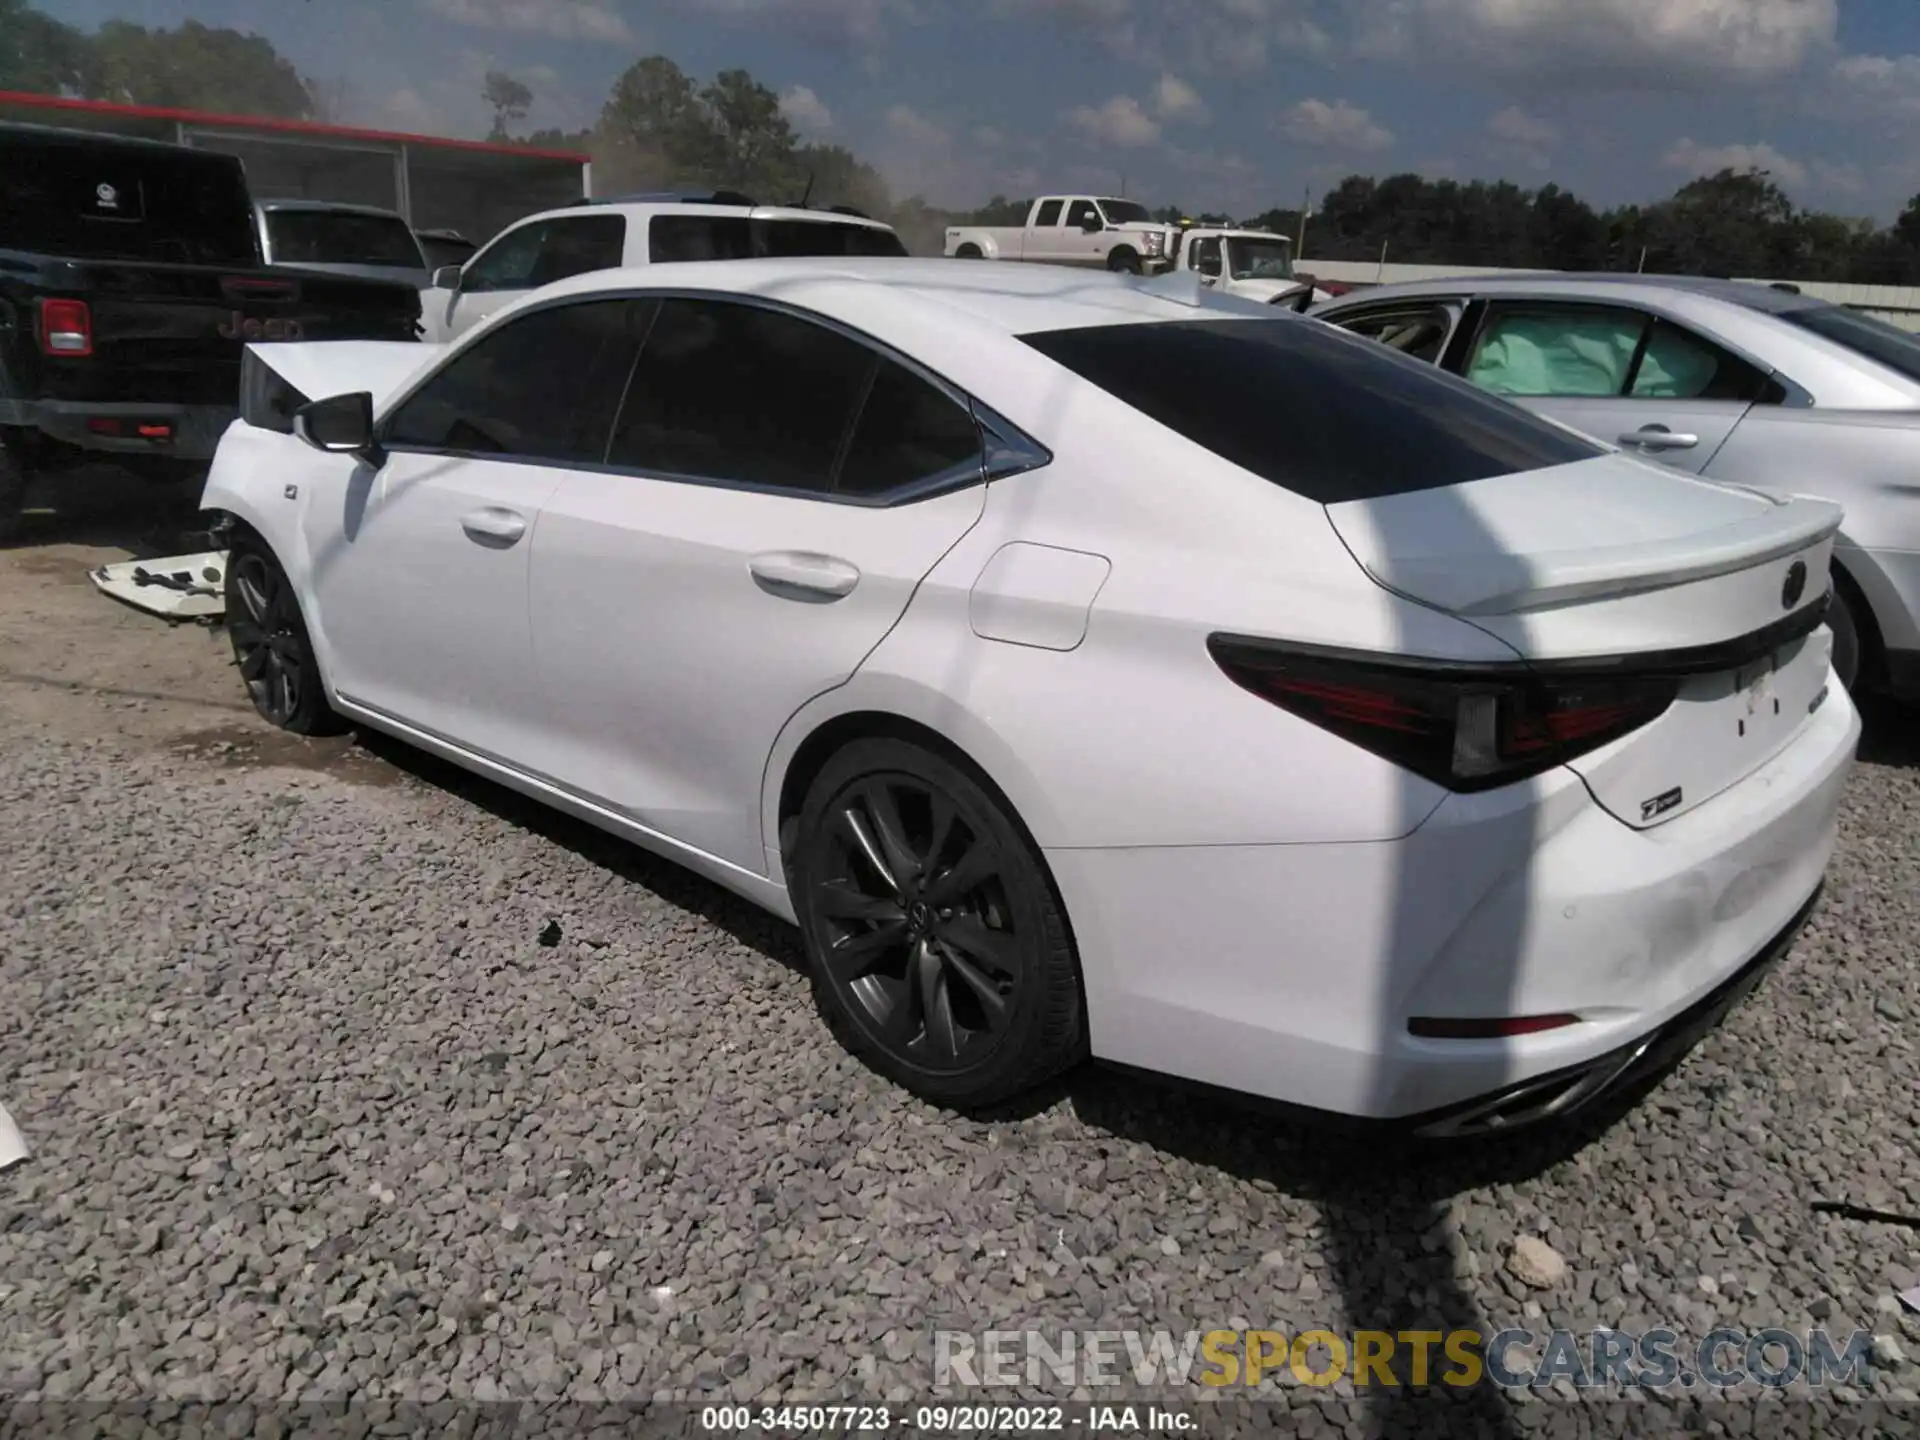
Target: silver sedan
[1732,381]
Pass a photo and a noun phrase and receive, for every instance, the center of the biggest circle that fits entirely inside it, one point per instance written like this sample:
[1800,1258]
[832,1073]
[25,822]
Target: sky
[1236,105]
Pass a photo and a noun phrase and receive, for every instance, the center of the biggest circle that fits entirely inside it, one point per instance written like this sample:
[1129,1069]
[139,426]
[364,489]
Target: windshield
[341,237]
[1897,349]
[1126,212]
[1259,259]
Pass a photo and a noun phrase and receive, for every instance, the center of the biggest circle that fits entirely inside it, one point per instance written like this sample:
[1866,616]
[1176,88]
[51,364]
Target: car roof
[329,207]
[668,206]
[1008,300]
[1747,294]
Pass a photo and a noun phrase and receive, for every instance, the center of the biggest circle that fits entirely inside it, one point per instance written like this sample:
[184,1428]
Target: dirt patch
[258,747]
[52,565]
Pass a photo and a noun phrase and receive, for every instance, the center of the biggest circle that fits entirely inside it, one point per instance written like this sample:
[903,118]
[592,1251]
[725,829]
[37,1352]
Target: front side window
[1082,211]
[506,264]
[1206,255]
[1421,332]
[1126,212]
[543,386]
[747,395]
[1323,414]
[578,245]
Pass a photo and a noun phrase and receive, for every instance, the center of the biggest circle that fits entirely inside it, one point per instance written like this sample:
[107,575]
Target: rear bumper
[1290,972]
[195,430]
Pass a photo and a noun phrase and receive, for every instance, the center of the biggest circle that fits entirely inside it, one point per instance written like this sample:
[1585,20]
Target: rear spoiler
[277,379]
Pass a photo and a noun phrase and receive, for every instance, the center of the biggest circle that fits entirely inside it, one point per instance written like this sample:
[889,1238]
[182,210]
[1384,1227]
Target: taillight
[1464,727]
[66,328]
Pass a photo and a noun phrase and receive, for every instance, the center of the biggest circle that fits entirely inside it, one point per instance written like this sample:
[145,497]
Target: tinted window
[123,202]
[908,431]
[1206,255]
[443,251]
[1325,415]
[740,393]
[1897,349]
[1082,211]
[1049,213]
[788,238]
[672,238]
[547,251]
[1421,333]
[340,237]
[543,386]
[1126,212]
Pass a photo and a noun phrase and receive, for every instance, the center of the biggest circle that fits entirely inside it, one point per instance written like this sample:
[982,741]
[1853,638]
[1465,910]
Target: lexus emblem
[1796,585]
[108,197]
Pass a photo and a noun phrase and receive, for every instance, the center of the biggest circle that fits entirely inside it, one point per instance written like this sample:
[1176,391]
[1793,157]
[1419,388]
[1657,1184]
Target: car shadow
[1890,732]
[106,507]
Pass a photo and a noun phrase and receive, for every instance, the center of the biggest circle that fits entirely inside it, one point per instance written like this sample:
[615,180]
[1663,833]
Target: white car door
[1622,375]
[419,564]
[532,254]
[774,492]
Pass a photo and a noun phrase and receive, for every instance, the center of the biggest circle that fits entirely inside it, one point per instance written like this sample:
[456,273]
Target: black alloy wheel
[940,954]
[270,644]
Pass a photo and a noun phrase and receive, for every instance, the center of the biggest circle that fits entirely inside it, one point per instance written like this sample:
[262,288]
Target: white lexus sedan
[1086,667]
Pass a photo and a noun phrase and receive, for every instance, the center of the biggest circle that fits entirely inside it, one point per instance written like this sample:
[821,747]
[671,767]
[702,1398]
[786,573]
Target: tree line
[660,128]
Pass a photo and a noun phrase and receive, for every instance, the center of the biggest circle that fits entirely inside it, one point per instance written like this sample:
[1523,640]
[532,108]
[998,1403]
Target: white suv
[631,230]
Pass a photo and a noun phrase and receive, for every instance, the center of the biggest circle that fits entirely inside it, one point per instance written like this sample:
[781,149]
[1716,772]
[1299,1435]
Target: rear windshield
[340,237]
[1897,349]
[114,202]
[739,237]
[1319,412]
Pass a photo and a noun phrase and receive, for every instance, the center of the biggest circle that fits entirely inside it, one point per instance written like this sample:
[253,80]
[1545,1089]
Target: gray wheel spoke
[254,661]
[942,1033]
[857,955]
[870,850]
[259,608]
[969,937]
[843,902]
[891,834]
[978,981]
[975,866]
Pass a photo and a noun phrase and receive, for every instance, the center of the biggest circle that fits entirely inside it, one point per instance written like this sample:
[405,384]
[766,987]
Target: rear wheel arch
[1847,591]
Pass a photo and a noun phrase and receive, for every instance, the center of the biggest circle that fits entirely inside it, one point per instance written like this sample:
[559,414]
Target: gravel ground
[315,1112]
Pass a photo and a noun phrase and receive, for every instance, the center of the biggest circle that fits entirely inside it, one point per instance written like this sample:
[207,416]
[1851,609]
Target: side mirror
[447,277]
[1092,224]
[338,425]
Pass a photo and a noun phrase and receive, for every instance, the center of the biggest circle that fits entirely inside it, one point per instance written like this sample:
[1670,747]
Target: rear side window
[544,386]
[1049,214]
[747,395]
[1596,351]
[1316,411]
[1897,349]
[673,238]
[113,202]
[341,237]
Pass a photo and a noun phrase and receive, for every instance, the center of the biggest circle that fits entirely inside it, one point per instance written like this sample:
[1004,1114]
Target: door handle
[803,575]
[1658,437]
[493,525]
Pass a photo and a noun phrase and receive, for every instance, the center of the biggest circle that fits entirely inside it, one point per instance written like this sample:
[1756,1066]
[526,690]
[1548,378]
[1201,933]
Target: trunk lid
[1625,567]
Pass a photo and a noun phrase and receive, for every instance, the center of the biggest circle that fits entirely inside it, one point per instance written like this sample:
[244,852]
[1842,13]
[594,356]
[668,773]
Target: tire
[947,965]
[1124,261]
[1846,638]
[13,488]
[270,643]
[969,252]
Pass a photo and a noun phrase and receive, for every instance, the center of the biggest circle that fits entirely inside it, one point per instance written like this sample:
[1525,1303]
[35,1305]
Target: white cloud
[1174,100]
[1207,35]
[1334,125]
[1694,159]
[1515,136]
[918,154]
[806,111]
[1879,84]
[1651,44]
[560,19]
[1120,121]
[448,100]
[904,123]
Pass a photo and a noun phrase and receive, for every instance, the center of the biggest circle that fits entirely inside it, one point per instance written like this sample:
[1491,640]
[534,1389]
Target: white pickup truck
[1254,264]
[1090,230]
[630,230]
